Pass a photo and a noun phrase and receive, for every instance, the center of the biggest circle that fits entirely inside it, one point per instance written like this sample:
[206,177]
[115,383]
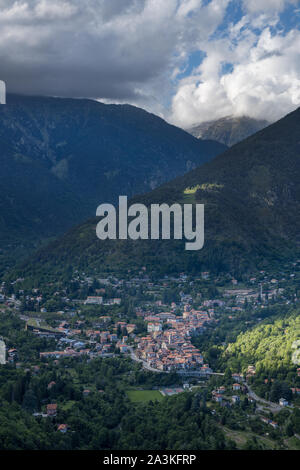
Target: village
[168,345]
[88,318]
[155,323]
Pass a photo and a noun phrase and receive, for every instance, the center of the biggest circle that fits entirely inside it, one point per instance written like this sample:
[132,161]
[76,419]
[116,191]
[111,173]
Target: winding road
[273,407]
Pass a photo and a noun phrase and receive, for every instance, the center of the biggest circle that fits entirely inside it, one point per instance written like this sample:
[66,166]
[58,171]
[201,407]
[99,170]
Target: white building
[152,327]
[283,402]
[94,300]
[2,92]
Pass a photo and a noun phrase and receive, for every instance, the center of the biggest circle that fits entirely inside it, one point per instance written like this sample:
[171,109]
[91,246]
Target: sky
[188,61]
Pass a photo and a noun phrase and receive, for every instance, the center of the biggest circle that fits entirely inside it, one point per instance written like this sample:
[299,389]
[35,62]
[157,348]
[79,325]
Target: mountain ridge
[251,195]
[228,130]
[61,158]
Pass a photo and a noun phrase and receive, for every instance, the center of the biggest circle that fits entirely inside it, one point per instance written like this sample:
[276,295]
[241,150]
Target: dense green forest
[271,347]
[106,418]
[267,346]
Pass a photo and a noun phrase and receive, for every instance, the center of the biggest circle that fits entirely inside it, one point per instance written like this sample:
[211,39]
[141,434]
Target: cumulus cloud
[262,79]
[140,51]
[266,5]
[109,49]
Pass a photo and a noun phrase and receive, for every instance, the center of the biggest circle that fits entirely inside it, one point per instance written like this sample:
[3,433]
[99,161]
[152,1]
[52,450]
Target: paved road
[274,407]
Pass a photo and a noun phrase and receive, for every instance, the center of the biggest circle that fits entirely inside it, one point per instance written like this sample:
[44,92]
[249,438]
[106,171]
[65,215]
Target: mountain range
[61,158]
[229,130]
[251,194]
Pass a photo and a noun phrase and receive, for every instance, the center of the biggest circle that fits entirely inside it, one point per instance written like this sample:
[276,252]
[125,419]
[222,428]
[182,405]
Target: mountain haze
[229,130]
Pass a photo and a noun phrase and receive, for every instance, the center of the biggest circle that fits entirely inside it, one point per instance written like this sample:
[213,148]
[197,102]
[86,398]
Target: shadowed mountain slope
[60,158]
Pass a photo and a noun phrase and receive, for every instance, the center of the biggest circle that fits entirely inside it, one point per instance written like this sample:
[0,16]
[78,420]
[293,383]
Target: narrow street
[145,365]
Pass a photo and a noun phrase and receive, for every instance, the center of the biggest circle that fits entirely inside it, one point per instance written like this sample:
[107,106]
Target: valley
[131,327]
[149,231]
[175,341]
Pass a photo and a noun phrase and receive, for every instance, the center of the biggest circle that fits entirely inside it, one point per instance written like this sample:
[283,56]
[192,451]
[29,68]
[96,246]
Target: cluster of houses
[168,345]
[96,342]
[218,394]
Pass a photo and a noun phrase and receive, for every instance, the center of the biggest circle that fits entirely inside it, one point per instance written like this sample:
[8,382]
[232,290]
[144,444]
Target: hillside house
[283,402]
[52,409]
[236,387]
[62,428]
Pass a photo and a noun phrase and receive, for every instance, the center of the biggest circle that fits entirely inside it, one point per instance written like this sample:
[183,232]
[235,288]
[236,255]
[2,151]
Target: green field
[138,396]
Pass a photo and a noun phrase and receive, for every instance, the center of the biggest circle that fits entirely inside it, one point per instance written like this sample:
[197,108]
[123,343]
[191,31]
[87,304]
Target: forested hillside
[251,195]
[61,158]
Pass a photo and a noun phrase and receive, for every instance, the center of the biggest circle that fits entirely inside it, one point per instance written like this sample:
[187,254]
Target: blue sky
[186,60]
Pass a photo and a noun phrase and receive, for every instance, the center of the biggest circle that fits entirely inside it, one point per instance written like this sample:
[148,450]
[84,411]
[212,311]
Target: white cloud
[98,48]
[264,81]
[266,5]
[49,9]
[138,51]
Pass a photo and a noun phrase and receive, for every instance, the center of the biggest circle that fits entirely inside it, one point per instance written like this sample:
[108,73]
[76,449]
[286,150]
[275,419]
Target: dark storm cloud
[141,51]
[93,48]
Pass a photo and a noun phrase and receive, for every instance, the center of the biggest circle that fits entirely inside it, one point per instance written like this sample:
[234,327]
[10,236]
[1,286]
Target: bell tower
[2,92]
